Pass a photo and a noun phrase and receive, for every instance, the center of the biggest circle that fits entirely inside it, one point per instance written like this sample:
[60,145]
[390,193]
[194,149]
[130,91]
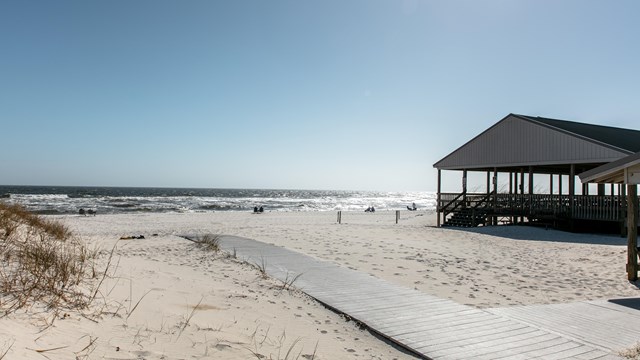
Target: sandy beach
[165,299]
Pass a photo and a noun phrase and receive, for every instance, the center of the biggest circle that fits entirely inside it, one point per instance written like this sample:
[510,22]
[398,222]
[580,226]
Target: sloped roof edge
[475,137]
[607,169]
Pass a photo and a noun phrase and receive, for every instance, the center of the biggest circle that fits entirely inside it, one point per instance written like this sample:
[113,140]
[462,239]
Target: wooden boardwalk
[436,328]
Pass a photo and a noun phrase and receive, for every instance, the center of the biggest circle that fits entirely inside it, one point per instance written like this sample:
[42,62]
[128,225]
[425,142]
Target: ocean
[114,200]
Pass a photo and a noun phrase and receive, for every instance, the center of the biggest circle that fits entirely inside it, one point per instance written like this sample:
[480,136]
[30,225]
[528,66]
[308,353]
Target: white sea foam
[118,200]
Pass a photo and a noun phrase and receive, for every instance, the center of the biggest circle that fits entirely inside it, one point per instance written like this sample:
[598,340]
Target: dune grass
[42,263]
[208,242]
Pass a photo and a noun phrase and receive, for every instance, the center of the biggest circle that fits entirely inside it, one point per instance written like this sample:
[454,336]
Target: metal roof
[626,139]
[622,171]
[548,145]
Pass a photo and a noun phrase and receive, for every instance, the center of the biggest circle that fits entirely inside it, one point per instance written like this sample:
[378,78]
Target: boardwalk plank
[440,328]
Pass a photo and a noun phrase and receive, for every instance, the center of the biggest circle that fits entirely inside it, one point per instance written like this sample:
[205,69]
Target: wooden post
[464,188]
[488,182]
[397,216]
[530,190]
[438,198]
[511,196]
[495,195]
[623,195]
[560,192]
[559,184]
[601,190]
[632,232]
[572,192]
[339,217]
[522,194]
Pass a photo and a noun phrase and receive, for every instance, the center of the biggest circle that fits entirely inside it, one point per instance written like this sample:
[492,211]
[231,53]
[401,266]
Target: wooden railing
[595,207]
[585,207]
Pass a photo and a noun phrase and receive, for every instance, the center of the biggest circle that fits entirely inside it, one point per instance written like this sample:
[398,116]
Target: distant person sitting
[373,209]
[255,209]
[412,207]
[368,209]
[261,209]
[82,212]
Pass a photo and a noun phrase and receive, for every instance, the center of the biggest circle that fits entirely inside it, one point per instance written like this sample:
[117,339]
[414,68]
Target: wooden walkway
[436,328]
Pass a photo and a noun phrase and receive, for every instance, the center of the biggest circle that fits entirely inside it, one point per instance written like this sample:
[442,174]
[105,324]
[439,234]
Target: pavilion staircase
[467,217]
[471,211]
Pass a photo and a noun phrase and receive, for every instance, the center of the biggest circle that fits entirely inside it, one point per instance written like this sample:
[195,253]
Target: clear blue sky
[295,94]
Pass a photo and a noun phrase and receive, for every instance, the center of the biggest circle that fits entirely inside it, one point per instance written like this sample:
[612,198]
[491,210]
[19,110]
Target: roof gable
[519,140]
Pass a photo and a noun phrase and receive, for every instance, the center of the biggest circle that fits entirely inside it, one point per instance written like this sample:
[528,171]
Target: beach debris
[132,237]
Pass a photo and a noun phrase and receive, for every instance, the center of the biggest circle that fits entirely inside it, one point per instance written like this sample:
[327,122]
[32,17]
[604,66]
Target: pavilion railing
[585,207]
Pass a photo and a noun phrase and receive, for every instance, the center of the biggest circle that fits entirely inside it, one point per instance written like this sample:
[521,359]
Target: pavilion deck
[473,209]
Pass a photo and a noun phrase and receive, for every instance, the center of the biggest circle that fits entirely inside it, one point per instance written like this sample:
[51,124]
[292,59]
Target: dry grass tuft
[209,242]
[632,352]
[42,262]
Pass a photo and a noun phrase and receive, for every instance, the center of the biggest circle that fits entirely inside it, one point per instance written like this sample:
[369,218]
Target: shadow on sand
[532,233]
[632,303]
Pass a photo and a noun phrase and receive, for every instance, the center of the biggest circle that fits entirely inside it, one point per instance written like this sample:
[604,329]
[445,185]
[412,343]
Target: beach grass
[43,262]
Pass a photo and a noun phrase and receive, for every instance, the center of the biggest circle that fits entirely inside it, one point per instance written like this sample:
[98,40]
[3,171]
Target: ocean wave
[136,200]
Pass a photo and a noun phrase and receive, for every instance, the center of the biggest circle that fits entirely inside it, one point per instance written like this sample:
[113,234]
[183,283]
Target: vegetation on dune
[42,263]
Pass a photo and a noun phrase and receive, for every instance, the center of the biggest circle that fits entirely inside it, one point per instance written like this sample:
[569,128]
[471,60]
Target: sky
[331,94]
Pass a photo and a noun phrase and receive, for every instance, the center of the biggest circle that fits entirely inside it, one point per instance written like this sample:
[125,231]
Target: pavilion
[522,148]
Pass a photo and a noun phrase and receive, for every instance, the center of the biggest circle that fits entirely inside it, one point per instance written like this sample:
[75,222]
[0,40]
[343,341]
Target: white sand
[241,313]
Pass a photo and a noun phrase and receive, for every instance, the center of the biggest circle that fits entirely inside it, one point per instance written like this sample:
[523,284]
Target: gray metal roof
[548,145]
[626,139]
[613,172]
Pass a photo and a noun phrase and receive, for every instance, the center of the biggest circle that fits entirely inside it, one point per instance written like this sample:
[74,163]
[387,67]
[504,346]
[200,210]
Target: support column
[488,183]
[559,184]
[572,193]
[488,221]
[624,210]
[495,195]
[464,188]
[601,190]
[438,197]
[560,193]
[632,232]
[522,194]
[511,176]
